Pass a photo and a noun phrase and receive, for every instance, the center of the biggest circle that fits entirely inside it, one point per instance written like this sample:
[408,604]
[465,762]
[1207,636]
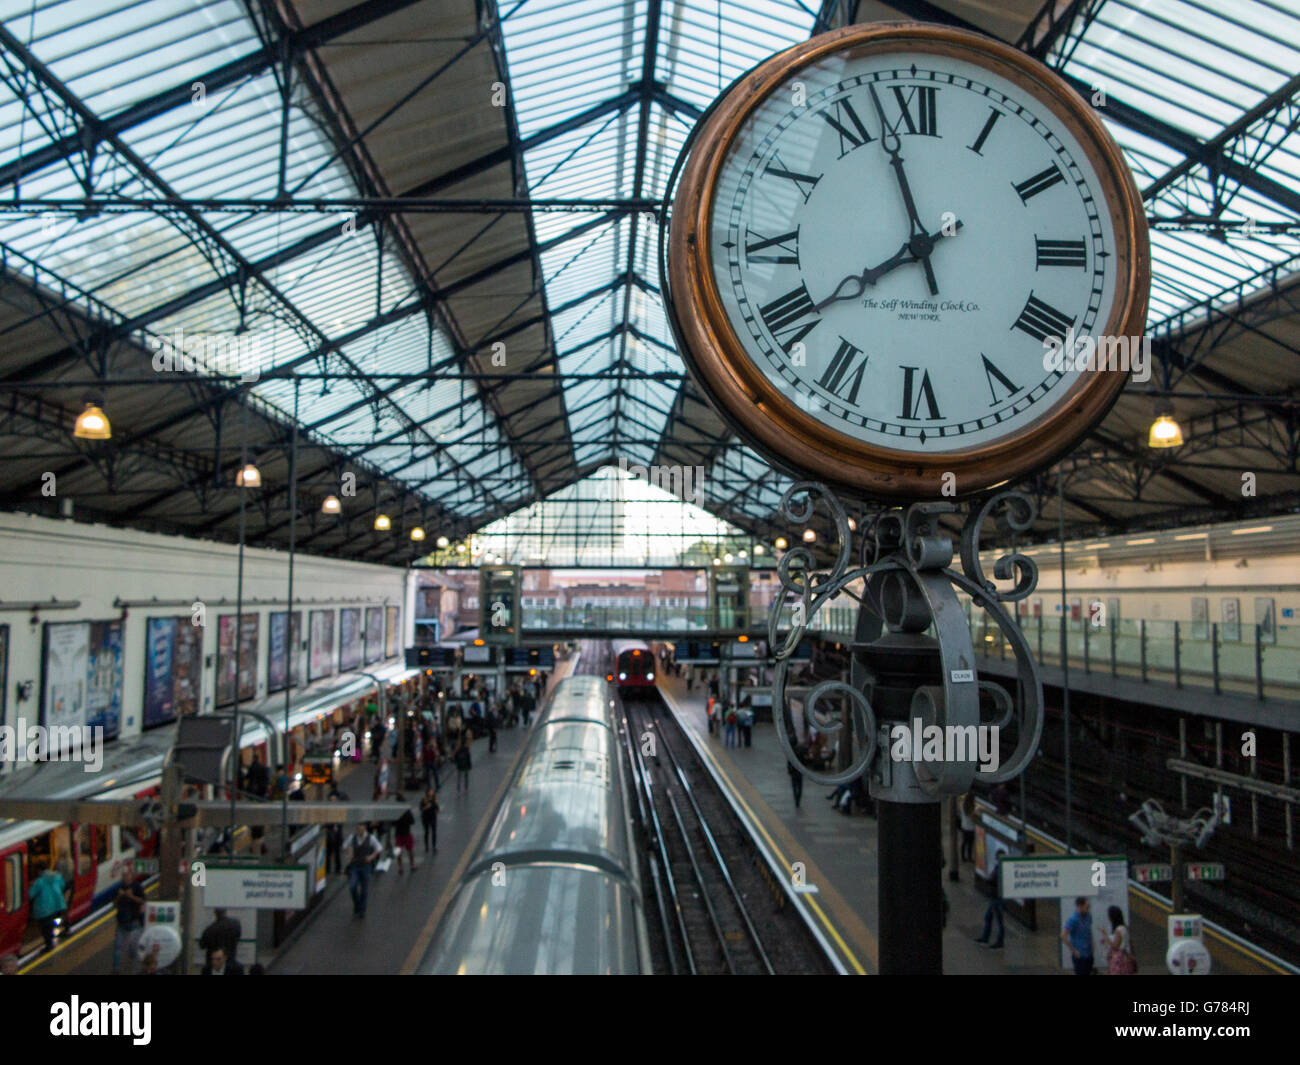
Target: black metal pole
[1065,665]
[239,618]
[910,903]
[288,616]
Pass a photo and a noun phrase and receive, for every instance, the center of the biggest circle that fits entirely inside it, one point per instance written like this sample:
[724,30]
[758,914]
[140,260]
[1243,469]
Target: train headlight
[649,676]
[622,676]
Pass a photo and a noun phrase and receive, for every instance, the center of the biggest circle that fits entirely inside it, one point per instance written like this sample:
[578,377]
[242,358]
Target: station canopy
[411,248]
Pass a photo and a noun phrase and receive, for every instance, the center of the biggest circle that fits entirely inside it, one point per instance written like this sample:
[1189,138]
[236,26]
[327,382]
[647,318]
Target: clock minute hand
[892,144]
[905,254]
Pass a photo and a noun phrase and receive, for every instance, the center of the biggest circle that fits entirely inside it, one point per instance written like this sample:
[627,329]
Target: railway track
[719,912]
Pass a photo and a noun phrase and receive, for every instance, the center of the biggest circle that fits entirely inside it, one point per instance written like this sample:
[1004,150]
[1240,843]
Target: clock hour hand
[917,249]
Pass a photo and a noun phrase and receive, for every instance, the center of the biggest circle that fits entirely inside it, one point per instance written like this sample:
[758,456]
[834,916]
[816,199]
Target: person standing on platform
[995,911]
[747,723]
[464,763]
[729,723]
[404,839]
[258,779]
[221,935]
[1077,935]
[381,780]
[966,811]
[222,964]
[1120,959]
[710,714]
[48,898]
[529,703]
[429,819]
[128,900]
[492,730]
[333,841]
[363,851]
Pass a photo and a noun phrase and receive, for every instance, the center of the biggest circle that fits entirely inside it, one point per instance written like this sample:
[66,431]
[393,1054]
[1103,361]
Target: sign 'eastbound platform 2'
[1048,878]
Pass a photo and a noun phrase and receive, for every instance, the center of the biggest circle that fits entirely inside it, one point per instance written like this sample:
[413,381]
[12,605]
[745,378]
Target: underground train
[634,667]
[554,885]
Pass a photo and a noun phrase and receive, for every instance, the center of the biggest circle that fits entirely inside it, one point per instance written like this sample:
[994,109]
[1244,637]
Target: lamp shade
[249,477]
[92,424]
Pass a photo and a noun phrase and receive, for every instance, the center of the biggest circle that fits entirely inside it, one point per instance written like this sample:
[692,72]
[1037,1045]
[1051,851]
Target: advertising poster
[64,674]
[104,677]
[173,670]
[297,651]
[374,633]
[226,658]
[283,652]
[187,668]
[159,644]
[392,615]
[321,623]
[349,638]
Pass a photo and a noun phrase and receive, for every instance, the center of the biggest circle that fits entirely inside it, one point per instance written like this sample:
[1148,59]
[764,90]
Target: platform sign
[1204,870]
[1035,877]
[499,604]
[1153,873]
[144,866]
[258,887]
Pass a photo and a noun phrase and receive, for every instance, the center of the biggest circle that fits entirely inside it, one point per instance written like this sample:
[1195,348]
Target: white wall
[44,558]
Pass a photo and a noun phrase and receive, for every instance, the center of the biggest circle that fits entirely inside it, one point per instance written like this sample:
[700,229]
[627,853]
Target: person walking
[429,760]
[1077,935]
[128,900]
[1120,959]
[995,911]
[492,730]
[381,780]
[363,851]
[404,839]
[48,896]
[429,819]
[464,763]
[796,777]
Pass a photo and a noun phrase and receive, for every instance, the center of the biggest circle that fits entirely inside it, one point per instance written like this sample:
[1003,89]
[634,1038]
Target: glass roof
[1192,72]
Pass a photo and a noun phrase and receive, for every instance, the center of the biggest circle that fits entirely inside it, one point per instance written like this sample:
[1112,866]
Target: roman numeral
[778,169]
[786,245]
[923,120]
[841,121]
[837,373]
[926,392]
[1060,253]
[994,115]
[786,315]
[991,373]
[1044,179]
[1041,320]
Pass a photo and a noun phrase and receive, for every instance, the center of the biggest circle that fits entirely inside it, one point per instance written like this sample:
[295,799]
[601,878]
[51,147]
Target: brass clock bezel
[764,415]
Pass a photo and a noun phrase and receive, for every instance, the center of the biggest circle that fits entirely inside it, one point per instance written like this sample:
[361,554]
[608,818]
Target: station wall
[102,567]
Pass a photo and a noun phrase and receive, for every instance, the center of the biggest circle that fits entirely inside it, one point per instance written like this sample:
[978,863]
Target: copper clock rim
[723,367]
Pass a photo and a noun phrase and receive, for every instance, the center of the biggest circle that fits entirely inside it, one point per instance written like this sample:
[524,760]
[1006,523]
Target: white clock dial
[897,239]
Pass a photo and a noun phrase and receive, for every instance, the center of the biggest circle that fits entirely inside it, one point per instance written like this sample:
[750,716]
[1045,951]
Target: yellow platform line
[834,900]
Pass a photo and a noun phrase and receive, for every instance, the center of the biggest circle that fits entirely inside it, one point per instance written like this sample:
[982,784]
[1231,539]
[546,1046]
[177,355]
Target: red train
[89,856]
[634,667]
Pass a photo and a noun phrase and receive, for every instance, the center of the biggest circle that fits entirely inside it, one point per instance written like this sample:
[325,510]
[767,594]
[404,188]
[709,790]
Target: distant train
[554,886]
[634,667]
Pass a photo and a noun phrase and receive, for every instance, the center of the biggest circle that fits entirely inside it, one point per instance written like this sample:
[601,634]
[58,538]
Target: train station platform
[838,853]
[402,910]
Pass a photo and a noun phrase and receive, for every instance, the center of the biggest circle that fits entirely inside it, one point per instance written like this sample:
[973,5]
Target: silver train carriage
[554,886]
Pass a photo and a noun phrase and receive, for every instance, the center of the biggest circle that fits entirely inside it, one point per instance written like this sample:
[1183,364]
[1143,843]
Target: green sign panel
[1205,871]
[1155,873]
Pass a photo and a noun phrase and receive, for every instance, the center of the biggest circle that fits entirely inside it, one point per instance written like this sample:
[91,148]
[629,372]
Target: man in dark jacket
[222,934]
[221,964]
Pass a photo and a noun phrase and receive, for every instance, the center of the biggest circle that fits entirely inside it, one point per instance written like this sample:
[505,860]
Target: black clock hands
[892,144]
[917,249]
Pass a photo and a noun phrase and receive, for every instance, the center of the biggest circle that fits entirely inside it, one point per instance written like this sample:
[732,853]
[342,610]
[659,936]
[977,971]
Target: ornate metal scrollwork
[905,559]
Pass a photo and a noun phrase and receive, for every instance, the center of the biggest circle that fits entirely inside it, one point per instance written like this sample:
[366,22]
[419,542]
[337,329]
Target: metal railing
[1238,659]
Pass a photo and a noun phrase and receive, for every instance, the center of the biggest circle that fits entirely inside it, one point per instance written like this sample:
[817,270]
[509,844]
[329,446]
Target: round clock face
[901,244]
